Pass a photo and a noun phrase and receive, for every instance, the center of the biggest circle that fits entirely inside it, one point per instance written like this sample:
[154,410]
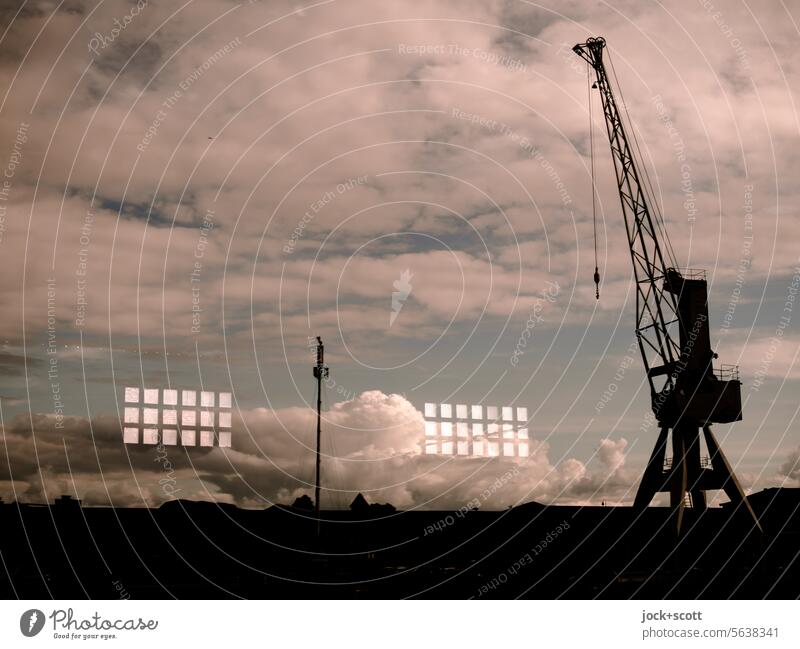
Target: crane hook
[596,283]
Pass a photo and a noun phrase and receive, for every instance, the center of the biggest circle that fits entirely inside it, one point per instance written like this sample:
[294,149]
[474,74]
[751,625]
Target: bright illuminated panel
[224,440]
[206,438]
[151,395]
[150,436]
[130,435]
[170,397]
[188,397]
[131,395]
[206,419]
[188,437]
[131,415]
[207,399]
[224,399]
[224,420]
[169,437]
[189,418]
[151,416]
[170,417]
[476,430]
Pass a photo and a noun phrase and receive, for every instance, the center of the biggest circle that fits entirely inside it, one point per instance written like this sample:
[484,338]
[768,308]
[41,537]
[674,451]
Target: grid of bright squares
[472,430]
[196,418]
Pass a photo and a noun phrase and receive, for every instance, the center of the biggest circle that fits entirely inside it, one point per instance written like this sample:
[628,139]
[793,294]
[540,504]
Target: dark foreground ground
[202,550]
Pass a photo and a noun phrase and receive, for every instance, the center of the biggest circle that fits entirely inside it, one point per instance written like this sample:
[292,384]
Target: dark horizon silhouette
[189,549]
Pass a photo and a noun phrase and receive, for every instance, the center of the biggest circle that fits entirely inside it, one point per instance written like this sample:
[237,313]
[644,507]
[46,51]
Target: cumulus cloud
[373,446]
[791,467]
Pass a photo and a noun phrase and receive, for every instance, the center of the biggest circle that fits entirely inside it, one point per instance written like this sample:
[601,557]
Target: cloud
[791,467]
[156,184]
[15,364]
[372,445]
[365,104]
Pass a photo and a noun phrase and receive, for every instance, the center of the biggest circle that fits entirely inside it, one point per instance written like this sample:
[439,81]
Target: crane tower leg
[653,477]
[727,478]
[679,476]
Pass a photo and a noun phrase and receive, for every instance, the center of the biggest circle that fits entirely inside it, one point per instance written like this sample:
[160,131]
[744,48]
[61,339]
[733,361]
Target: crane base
[686,478]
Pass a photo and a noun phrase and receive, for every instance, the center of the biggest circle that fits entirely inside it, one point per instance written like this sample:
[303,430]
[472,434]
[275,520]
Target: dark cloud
[15,364]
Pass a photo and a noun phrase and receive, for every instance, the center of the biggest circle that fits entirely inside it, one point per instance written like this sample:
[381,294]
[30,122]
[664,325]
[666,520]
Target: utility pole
[320,372]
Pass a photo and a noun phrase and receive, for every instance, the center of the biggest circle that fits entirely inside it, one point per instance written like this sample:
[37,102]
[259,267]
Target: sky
[192,192]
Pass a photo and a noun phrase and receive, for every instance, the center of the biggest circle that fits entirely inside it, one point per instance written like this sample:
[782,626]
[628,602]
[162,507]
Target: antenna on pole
[320,372]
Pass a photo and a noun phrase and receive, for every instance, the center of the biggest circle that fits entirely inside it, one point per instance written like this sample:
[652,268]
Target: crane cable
[594,191]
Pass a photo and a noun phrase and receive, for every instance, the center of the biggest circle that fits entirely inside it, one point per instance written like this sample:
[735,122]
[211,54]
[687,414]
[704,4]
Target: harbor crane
[687,393]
